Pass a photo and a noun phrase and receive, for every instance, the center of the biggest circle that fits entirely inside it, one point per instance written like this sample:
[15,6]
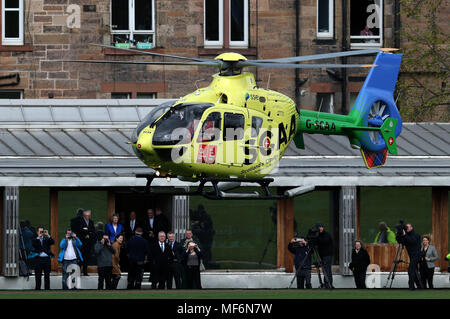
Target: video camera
[312,236]
[401,227]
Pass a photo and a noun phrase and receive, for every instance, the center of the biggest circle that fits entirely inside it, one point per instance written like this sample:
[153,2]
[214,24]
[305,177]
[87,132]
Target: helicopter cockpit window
[150,118]
[211,128]
[256,125]
[179,123]
[233,126]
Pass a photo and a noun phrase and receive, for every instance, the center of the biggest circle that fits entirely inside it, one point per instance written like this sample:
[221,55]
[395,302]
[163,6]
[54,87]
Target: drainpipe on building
[297,52]
[397,24]
[344,59]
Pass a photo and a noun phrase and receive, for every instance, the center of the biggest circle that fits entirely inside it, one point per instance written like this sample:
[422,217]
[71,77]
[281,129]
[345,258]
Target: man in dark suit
[77,220]
[161,221]
[131,225]
[175,265]
[138,251]
[150,226]
[161,258]
[85,230]
[41,245]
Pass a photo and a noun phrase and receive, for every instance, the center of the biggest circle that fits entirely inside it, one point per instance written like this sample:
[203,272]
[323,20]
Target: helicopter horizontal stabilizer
[388,133]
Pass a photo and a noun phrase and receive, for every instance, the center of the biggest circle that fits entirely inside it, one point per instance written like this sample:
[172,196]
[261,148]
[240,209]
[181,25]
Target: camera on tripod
[312,236]
[401,227]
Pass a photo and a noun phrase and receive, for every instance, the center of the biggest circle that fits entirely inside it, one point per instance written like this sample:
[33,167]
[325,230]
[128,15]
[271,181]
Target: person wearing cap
[325,248]
[385,235]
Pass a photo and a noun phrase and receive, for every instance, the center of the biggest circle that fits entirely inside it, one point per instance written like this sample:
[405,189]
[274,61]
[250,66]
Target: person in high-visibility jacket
[385,235]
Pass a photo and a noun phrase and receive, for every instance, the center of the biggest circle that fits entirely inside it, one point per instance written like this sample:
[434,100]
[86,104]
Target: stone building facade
[55,30]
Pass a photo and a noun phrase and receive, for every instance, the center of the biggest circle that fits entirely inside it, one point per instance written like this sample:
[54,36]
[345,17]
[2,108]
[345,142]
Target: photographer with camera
[325,248]
[41,245]
[411,240]
[104,252]
[302,260]
[70,254]
[191,260]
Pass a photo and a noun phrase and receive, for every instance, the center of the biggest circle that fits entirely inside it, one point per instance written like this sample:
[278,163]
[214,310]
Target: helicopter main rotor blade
[320,56]
[152,53]
[303,66]
[205,63]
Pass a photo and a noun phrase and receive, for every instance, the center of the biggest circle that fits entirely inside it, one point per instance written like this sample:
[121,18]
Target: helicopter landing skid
[222,185]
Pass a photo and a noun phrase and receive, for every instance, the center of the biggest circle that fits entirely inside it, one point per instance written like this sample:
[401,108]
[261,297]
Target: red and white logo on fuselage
[266,143]
[207,154]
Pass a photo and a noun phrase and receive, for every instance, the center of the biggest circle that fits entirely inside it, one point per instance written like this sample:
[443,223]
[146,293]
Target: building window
[11,94]
[120,96]
[325,102]
[141,95]
[133,21]
[352,100]
[366,24]
[132,95]
[325,18]
[12,22]
[213,22]
[226,23]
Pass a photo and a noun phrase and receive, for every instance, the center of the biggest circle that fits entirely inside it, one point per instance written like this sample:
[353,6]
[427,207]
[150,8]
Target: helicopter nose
[144,143]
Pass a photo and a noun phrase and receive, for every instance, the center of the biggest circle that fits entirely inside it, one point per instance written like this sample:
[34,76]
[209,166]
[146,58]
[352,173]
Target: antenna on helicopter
[320,107]
[197,82]
[268,81]
[398,96]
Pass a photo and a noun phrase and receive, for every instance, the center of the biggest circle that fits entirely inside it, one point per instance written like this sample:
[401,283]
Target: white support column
[180,214]
[347,226]
[10,231]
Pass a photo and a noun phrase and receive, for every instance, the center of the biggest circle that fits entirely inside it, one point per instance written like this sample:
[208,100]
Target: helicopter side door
[234,138]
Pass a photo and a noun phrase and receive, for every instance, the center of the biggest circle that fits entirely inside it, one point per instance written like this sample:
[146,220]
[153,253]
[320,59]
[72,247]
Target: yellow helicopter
[233,131]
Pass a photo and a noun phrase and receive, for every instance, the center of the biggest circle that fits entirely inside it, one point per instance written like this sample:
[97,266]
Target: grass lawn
[231,294]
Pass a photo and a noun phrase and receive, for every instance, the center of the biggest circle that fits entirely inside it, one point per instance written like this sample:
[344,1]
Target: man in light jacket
[70,254]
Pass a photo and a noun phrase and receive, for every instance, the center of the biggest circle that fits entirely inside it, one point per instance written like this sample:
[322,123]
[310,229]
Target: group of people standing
[421,253]
[131,245]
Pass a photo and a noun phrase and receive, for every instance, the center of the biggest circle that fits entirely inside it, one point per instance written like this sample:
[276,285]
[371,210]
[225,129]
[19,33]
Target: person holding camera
[70,254]
[191,260]
[428,255]
[325,249]
[302,260]
[104,252]
[41,245]
[360,262]
[411,240]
